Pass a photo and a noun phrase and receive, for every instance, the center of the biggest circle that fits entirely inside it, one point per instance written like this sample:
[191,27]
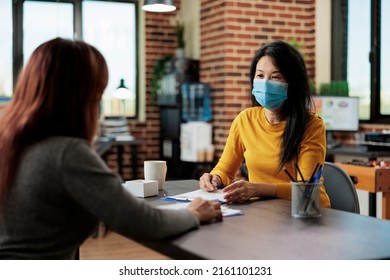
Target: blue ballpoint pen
[313,193]
[318,176]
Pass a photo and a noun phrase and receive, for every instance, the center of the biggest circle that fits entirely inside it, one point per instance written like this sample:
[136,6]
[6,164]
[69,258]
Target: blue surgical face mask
[269,94]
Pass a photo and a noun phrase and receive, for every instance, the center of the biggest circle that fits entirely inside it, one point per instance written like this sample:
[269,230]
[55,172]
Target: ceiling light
[159,6]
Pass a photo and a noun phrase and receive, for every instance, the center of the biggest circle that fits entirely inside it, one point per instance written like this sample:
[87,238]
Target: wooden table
[373,180]
[267,231]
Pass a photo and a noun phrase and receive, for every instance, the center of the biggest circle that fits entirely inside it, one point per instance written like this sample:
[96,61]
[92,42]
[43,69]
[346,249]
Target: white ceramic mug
[155,170]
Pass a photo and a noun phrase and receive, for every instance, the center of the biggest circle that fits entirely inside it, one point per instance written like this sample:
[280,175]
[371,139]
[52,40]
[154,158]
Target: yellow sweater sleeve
[232,156]
[253,139]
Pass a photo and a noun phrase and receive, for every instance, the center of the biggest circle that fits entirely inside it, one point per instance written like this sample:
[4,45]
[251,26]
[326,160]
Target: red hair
[57,94]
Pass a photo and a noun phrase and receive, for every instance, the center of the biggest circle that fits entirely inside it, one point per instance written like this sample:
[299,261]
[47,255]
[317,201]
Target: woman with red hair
[54,188]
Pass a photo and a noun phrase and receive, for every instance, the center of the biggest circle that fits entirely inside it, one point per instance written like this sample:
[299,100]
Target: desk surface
[103,144]
[267,231]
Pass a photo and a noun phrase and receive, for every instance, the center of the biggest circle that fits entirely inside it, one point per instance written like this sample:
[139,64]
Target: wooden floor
[116,247]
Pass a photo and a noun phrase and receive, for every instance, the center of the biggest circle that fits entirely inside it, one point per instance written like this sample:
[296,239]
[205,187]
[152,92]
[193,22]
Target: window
[111,34]
[385,58]
[358,64]
[111,26]
[368,46]
[6,48]
[57,22]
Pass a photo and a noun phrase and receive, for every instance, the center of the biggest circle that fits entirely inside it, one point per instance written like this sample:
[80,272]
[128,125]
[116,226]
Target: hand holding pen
[209,182]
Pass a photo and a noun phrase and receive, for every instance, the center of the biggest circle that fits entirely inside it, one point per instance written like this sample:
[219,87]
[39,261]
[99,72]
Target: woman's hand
[209,182]
[206,211]
[239,191]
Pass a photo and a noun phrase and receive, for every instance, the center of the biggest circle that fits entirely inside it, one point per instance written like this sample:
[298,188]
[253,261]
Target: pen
[314,191]
[300,173]
[319,173]
[184,199]
[312,177]
[289,175]
[216,184]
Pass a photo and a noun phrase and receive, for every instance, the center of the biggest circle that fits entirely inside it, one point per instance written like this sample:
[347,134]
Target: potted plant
[158,73]
[178,23]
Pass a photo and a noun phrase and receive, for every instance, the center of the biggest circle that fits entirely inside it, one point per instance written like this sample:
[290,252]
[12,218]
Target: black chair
[340,188]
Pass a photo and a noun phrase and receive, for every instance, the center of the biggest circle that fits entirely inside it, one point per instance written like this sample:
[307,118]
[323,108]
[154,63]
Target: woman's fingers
[205,210]
[236,192]
[207,182]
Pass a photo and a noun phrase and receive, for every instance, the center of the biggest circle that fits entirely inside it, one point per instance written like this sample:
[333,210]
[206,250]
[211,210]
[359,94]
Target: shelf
[169,100]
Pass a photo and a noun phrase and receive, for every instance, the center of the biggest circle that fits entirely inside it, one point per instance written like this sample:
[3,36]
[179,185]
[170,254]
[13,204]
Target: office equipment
[267,231]
[340,188]
[360,163]
[373,180]
[377,137]
[195,140]
[356,151]
[141,188]
[305,200]
[338,113]
[377,141]
[170,104]
[196,102]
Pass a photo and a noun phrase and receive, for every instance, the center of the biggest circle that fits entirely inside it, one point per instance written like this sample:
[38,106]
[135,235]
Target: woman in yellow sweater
[277,132]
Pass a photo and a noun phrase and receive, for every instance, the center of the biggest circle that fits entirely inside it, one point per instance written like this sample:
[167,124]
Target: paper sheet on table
[216,195]
[226,211]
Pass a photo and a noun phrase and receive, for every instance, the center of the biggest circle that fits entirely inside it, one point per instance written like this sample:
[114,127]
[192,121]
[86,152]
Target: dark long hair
[57,94]
[296,108]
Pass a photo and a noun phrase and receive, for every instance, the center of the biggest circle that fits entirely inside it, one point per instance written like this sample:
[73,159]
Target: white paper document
[216,195]
[226,211]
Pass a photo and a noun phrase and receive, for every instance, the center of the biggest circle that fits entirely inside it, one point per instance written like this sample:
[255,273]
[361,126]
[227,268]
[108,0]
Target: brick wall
[231,32]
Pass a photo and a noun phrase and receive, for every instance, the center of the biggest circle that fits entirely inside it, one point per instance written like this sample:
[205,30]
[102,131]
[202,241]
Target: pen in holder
[305,199]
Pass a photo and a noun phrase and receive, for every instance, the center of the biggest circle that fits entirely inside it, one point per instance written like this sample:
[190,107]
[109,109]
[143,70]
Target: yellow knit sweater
[253,139]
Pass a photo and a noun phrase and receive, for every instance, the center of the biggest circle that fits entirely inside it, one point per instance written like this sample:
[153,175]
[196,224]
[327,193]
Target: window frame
[339,49]
[17,46]
[375,60]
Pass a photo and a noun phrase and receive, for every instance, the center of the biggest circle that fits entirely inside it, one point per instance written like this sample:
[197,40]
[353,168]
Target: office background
[223,36]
